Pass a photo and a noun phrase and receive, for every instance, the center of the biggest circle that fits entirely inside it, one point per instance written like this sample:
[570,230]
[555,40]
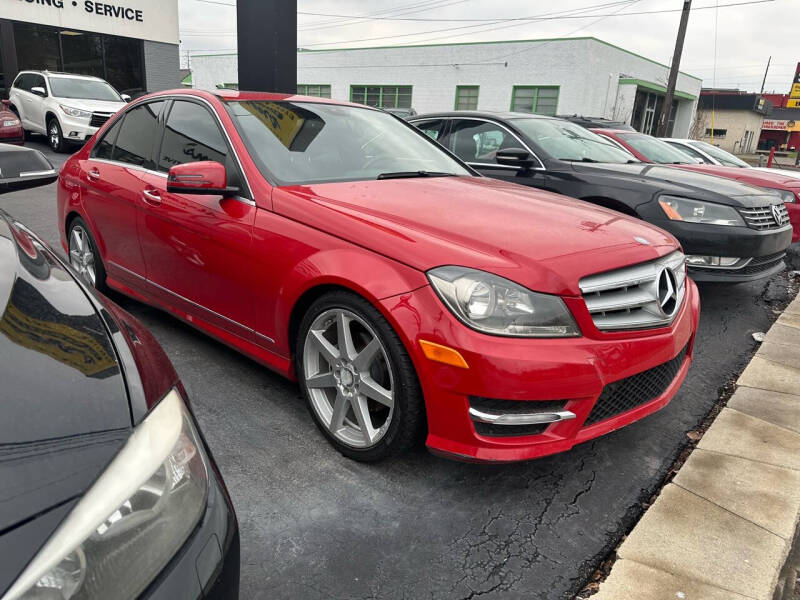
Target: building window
[717,133]
[316,90]
[542,100]
[466,97]
[382,96]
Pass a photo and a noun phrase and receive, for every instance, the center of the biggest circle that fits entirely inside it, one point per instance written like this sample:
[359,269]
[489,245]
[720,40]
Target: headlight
[133,519]
[11,123]
[694,211]
[76,112]
[498,306]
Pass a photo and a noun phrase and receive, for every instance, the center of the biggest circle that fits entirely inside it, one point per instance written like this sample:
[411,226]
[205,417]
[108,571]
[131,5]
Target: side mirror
[514,157]
[23,168]
[204,177]
[39,91]
[125,97]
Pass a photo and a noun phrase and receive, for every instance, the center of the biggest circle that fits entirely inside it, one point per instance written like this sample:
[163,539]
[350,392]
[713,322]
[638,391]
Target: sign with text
[794,94]
[155,20]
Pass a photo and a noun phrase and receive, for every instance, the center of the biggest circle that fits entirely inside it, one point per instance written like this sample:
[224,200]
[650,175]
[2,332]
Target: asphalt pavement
[315,525]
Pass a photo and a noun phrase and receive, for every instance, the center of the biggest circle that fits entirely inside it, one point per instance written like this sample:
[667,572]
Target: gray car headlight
[132,521]
[497,306]
[695,211]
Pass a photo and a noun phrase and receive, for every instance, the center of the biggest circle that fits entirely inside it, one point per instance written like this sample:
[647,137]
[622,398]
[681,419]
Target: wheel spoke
[346,347]
[329,352]
[362,416]
[78,238]
[75,257]
[321,380]
[340,407]
[363,360]
[374,391]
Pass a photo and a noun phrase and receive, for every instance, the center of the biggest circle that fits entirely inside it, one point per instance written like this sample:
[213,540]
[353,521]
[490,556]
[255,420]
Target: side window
[192,135]
[105,146]
[37,81]
[687,149]
[22,82]
[479,141]
[137,135]
[433,129]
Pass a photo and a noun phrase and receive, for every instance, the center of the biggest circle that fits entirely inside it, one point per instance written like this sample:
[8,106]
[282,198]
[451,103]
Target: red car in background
[653,150]
[10,127]
[340,246]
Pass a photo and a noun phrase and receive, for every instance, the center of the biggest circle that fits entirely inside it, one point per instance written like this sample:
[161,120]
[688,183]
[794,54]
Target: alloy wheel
[349,378]
[81,256]
[55,135]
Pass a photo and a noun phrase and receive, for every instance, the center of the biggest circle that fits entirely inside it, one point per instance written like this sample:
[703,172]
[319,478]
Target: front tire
[359,383]
[84,256]
[55,136]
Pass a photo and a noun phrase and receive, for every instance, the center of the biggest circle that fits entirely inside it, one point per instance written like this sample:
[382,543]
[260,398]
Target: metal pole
[763,83]
[673,72]
[267,43]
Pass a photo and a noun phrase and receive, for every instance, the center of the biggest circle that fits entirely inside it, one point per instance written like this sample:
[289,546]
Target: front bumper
[573,371]
[76,130]
[207,566]
[766,248]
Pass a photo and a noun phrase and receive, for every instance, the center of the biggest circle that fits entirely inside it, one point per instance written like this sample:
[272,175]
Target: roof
[60,74]
[784,114]
[483,114]
[717,101]
[524,41]
[243,95]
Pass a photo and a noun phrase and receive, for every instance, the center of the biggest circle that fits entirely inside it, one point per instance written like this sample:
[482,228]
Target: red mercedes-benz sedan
[338,245]
[653,150]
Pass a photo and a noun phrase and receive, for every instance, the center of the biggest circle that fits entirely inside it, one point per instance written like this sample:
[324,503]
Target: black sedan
[108,488]
[730,231]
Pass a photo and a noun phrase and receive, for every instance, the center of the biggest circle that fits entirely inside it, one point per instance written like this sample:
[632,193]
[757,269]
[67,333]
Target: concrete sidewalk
[725,527]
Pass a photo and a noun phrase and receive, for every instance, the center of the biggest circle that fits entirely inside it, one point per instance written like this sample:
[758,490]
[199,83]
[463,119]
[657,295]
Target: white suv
[66,108]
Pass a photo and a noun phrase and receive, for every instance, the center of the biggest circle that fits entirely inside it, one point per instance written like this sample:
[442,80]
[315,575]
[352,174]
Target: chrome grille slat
[762,218]
[628,298]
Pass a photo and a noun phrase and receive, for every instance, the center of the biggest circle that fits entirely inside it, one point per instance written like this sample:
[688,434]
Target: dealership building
[133,44]
[584,76]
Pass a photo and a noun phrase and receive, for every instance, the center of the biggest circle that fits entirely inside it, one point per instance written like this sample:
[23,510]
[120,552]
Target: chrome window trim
[520,419]
[492,122]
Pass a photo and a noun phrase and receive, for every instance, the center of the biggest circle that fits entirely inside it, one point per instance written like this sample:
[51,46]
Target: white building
[583,76]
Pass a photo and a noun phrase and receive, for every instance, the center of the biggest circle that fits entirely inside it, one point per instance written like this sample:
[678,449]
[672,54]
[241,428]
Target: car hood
[91,105]
[543,241]
[776,179]
[669,180]
[64,402]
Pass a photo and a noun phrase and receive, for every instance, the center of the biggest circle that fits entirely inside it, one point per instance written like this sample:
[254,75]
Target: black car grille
[99,119]
[626,394]
[762,217]
[490,405]
[755,266]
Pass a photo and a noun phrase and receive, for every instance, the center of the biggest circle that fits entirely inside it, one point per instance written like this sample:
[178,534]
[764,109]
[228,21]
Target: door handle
[93,174]
[152,197]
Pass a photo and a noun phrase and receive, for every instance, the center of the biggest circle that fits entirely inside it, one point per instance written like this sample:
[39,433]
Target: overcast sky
[746,35]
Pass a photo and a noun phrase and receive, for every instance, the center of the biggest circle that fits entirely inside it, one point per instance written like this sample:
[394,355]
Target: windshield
[84,89]
[566,141]
[304,142]
[654,149]
[726,158]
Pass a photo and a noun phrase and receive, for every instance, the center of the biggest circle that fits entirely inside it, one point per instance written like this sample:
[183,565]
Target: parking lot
[317,525]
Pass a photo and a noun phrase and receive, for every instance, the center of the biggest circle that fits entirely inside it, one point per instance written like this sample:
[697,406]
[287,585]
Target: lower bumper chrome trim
[520,419]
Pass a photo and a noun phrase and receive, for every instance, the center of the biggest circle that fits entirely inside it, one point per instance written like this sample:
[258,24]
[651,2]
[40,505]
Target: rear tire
[360,386]
[84,256]
[55,137]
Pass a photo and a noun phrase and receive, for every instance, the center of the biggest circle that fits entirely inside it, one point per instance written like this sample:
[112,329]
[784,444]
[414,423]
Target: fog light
[711,261]
[73,134]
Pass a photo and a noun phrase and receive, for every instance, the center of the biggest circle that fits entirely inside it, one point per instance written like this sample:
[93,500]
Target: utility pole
[763,83]
[663,121]
[267,42]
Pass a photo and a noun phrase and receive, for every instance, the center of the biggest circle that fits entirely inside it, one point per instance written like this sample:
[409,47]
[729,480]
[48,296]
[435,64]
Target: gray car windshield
[726,158]
[304,142]
[84,89]
[566,141]
[655,150]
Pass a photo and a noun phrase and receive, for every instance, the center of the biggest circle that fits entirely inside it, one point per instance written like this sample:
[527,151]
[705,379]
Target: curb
[724,528]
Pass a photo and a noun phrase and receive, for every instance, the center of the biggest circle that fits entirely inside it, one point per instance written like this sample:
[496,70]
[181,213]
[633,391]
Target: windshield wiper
[584,159]
[410,174]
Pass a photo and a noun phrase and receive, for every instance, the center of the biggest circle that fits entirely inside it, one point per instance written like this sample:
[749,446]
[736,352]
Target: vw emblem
[667,292]
[776,214]
[642,241]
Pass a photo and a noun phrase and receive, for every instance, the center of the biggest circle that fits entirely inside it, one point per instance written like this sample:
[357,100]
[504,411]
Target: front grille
[637,297]
[762,217]
[626,394]
[99,119]
[490,405]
